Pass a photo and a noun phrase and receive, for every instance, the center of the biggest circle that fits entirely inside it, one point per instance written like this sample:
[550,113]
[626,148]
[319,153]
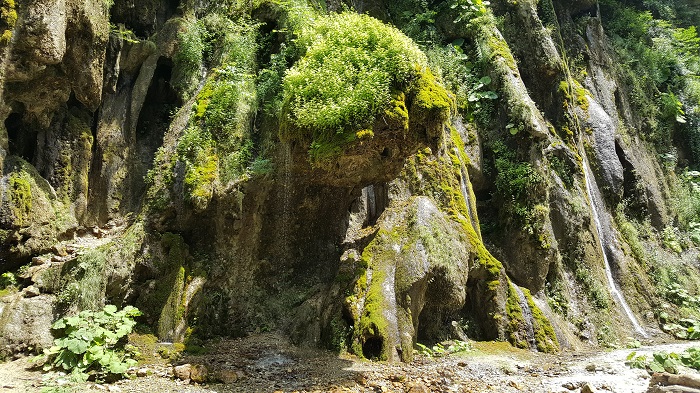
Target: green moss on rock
[516,321]
[20,197]
[432,104]
[545,338]
[8,19]
[172,311]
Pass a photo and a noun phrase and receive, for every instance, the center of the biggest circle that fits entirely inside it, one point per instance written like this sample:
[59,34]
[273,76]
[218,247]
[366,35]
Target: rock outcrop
[150,155]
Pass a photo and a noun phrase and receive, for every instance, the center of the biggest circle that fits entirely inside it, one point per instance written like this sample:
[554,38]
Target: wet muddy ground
[268,363]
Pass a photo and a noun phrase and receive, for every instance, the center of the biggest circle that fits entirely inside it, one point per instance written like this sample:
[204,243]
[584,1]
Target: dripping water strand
[286,198]
[594,198]
[527,316]
[465,194]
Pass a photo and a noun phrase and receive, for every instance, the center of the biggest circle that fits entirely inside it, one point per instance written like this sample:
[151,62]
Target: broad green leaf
[118,367]
[66,360]
[656,367]
[485,80]
[72,321]
[60,324]
[110,309]
[76,346]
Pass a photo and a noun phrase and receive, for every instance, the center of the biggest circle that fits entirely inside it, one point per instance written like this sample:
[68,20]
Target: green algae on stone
[20,197]
[8,19]
[171,312]
[432,103]
[545,338]
[516,320]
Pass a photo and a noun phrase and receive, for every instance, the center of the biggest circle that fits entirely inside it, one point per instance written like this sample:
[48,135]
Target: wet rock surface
[268,363]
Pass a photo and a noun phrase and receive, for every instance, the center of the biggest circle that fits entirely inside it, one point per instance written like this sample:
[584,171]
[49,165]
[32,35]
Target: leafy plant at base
[665,362]
[443,349]
[93,341]
[684,329]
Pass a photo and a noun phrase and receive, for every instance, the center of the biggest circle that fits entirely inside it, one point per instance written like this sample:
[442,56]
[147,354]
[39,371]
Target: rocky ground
[267,363]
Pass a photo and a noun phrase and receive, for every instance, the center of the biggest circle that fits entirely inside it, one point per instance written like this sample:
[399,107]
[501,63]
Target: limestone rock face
[155,129]
[607,163]
[25,323]
[417,276]
[44,30]
[60,45]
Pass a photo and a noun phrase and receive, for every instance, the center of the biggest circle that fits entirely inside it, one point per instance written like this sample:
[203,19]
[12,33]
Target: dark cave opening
[372,347]
[145,19]
[591,12]
[154,119]
[377,201]
[22,138]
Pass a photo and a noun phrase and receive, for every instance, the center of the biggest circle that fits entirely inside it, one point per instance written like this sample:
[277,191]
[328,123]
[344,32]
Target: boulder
[25,323]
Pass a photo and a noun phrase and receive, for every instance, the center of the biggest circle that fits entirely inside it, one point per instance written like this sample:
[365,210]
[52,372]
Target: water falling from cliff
[527,317]
[463,179]
[286,196]
[596,201]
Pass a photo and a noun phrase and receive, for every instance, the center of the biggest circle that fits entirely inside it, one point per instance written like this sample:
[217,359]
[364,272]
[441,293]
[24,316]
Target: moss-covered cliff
[359,175]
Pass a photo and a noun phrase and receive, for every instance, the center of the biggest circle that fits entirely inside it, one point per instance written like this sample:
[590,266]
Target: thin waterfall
[465,194]
[527,316]
[285,231]
[596,200]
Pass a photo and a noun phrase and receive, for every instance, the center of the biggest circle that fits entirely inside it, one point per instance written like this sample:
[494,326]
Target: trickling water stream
[465,194]
[527,316]
[597,203]
[286,198]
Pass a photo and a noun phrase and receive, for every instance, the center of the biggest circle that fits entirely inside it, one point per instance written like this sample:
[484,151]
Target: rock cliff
[359,175]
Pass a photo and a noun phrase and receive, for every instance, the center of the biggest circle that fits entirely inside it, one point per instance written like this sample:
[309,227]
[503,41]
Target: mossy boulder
[416,275]
[360,101]
[25,324]
[30,212]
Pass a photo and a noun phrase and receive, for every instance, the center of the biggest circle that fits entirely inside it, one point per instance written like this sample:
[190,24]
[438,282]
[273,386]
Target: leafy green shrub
[686,199]
[7,279]
[442,349]
[93,342]
[189,57]
[460,76]
[225,107]
[684,329]
[229,42]
[670,239]
[517,181]
[352,64]
[196,151]
[666,362]
[659,62]
[678,295]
